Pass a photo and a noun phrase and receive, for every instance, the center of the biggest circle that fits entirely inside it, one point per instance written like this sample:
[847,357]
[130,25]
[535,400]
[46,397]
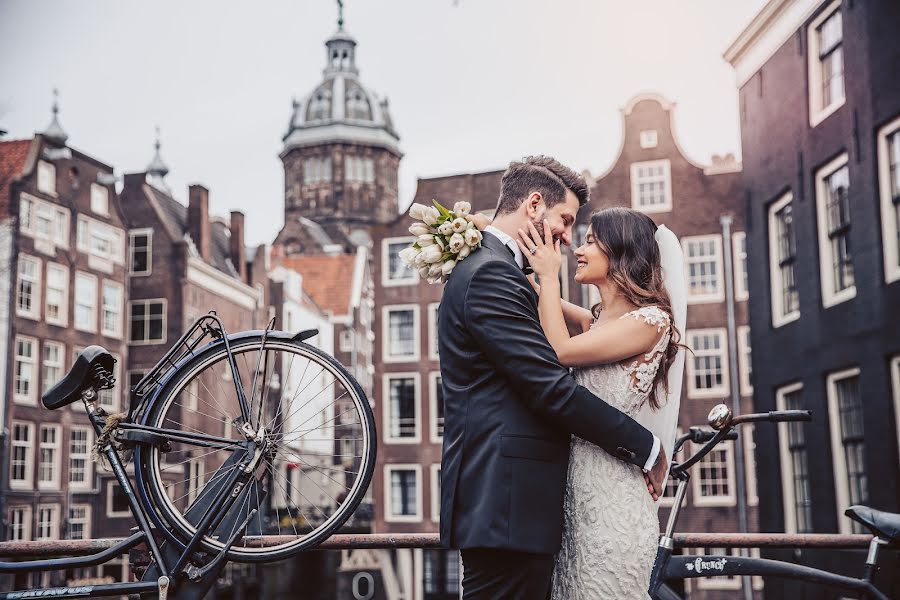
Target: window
[47,522]
[782,256]
[148,321]
[795,477]
[111,315]
[79,522]
[436,408]
[750,461]
[707,366]
[436,492]
[401,342]
[80,464]
[703,262]
[745,363]
[317,170]
[140,250]
[195,478]
[440,573]
[403,493]
[433,330]
[24,390]
[57,303]
[21,456]
[739,252]
[826,64]
[393,271]
[46,178]
[109,398]
[100,240]
[889,190]
[85,302]
[346,340]
[116,500]
[714,479]
[20,524]
[845,412]
[54,354]
[99,199]
[833,210]
[402,415]
[651,186]
[28,287]
[49,457]
[358,169]
[648,138]
[44,222]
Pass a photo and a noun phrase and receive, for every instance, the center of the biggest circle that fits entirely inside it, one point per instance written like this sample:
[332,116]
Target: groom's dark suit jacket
[509,410]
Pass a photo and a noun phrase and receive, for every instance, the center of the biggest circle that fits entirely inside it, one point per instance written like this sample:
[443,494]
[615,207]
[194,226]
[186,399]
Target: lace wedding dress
[611,527]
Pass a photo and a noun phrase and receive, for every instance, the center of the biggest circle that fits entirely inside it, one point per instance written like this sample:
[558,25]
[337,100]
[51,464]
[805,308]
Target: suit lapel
[493,242]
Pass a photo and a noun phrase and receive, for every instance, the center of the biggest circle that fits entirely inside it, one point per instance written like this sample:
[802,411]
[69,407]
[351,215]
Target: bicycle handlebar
[774,416]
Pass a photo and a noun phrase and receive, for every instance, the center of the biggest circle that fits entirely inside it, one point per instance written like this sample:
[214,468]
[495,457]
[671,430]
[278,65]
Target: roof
[12,162]
[328,279]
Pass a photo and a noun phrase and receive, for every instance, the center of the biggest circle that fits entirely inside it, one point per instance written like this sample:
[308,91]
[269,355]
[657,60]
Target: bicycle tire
[172,518]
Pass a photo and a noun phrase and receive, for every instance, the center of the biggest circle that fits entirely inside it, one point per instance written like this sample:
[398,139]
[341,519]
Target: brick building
[820,119]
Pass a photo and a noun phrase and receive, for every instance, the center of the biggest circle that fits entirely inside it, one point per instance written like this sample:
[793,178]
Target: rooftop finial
[157,169]
[55,131]
[340,14]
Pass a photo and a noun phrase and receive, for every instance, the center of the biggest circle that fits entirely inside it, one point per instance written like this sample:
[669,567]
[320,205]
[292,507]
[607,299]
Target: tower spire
[55,131]
[157,169]
[340,4]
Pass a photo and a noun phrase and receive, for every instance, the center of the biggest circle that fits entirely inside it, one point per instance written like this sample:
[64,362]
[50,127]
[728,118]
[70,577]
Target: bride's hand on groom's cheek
[543,253]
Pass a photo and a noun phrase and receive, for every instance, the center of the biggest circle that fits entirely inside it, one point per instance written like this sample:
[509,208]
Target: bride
[626,350]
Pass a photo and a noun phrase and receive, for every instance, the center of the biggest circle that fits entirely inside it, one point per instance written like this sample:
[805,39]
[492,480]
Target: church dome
[341,108]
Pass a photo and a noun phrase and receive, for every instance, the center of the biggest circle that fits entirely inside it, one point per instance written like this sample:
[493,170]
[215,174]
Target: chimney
[198,220]
[236,244]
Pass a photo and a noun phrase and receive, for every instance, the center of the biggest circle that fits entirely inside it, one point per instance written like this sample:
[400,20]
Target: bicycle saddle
[82,374]
[883,524]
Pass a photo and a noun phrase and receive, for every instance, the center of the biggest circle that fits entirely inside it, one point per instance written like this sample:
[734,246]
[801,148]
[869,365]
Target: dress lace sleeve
[651,315]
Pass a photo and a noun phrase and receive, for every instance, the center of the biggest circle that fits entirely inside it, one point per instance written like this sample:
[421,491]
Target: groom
[510,407]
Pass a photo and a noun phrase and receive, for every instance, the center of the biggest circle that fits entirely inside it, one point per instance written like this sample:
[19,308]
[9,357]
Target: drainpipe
[739,466]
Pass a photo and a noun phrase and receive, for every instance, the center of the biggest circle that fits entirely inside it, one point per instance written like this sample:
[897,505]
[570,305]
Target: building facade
[820,119]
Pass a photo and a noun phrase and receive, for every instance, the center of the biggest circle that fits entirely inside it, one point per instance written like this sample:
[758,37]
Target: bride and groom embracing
[549,481]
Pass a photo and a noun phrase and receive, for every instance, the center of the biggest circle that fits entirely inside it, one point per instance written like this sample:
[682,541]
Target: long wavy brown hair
[628,238]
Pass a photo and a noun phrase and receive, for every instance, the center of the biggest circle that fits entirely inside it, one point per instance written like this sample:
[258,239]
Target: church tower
[341,152]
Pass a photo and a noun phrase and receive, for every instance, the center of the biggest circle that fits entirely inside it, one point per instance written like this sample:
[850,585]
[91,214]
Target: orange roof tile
[328,279]
[12,160]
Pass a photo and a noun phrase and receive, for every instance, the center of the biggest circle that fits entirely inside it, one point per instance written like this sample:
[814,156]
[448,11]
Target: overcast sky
[472,84]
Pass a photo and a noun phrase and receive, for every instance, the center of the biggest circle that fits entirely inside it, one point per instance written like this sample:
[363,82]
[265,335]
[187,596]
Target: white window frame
[88,227]
[433,408]
[120,309]
[740,257]
[888,217]
[35,361]
[56,464]
[895,381]
[36,285]
[29,209]
[841,485]
[86,520]
[435,492]
[635,186]
[731,498]
[386,279]
[779,317]
[165,321]
[433,331]
[110,490]
[90,327]
[387,357]
[649,138]
[196,477]
[28,482]
[114,393]
[829,297]
[721,391]
[389,515]
[147,231]
[46,177]
[63,319]
[88,482]
[748,439]
[745,359]
[54,522]
[46,364]
[787,466]
[99,199]
[818,112]
[27,522]
[386,403]
[718,296]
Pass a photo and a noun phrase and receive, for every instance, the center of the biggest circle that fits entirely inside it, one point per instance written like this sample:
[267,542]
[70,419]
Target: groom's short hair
[542,174]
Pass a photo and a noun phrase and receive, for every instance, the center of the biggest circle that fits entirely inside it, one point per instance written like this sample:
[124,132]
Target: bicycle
[885,527]
[293,462]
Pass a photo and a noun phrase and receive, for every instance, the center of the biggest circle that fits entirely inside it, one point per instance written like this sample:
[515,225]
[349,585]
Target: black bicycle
[885,527]
[248,447]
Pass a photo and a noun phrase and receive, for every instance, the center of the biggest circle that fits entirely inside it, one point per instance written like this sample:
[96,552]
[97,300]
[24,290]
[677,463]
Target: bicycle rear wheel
[319,436]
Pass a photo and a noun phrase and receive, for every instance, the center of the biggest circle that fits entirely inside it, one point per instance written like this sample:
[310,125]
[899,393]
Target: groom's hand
[656,477]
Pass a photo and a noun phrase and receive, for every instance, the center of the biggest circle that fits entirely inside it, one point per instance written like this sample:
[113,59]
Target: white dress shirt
[520,260]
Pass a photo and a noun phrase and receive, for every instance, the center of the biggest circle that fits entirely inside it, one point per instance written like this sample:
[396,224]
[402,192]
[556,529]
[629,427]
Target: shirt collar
[509,243]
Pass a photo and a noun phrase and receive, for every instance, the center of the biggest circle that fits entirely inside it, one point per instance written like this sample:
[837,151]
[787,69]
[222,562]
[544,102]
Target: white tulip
[431,254]
[457,242]
[423,272]
[445,228]
[434,279]
[462,208]
[464,252]
[408,255]
[434,270]
[459,224]
[425,240]
[473,237]
[448,267]
[417,211]
[419,229]
[419,261]
[430,216]
[440,243]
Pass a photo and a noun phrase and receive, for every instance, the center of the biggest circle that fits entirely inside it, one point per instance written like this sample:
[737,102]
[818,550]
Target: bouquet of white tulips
[443,238]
